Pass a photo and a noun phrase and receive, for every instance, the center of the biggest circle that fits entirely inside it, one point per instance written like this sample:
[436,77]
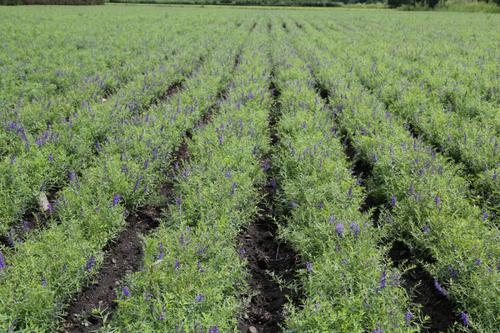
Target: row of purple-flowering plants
[194,279]
[38,276]
[45,162]
[70,69]
[348,285]
[470,141]
[460,71]
[44,69]
[428,199]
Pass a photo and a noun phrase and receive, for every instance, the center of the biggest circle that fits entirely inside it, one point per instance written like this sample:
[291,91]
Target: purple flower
[177,265]
[137,183]
[437,200]
[453,272]
[200,298]
[494,175]
[213,329]
[464,317]
[349,192]
[146,163]
[439,288]
[344,261]
[309,266]
[200,268]
[228,174]
[332,219]
[377,330]
[273,183]
[90,263]
[478,262]
[485,215]
[355,228]
[51,157]
[126,292]
[2,261]
[44,283]
[265,165]
[393,200]
[116,199]
[408,317]
[339,228]
[383,280]
[162,253]
[178,201]
[426,229]
[233,188]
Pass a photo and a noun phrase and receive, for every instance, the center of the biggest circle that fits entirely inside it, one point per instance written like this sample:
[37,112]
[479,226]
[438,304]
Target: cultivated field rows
[239,170]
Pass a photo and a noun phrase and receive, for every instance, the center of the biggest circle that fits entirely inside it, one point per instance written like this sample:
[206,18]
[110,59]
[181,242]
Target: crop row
[71,146]
[430,209]
[458,68]
[39,275]
[470,141]
[349,287]
[193,277]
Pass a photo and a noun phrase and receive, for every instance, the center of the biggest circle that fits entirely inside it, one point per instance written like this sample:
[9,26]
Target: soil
[123,257]
[266,254]
[420,285]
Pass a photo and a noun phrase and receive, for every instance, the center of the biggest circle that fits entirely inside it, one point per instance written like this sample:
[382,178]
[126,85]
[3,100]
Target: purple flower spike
[177,265]
[339,228]
[309,266]
[478,262]
[464,317]
[437,200]
[126,292]
[485,215]
[393,200]
[178,201]
[162,253]
[51,157]
[233,188]
[408,317]
[383,280]
[2,261]
[355,228]
[200,268]
[213,329]
[377,330]
[116,199]
[90,263]
[426,229]
[200,298]
[439,288]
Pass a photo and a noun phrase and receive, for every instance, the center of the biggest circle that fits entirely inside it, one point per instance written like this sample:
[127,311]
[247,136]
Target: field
[188,169]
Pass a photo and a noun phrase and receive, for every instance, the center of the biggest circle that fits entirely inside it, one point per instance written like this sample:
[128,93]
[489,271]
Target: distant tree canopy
[429,3]
[51,2]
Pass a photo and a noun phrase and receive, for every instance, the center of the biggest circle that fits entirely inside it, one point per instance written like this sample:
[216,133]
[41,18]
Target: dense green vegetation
[347,130]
